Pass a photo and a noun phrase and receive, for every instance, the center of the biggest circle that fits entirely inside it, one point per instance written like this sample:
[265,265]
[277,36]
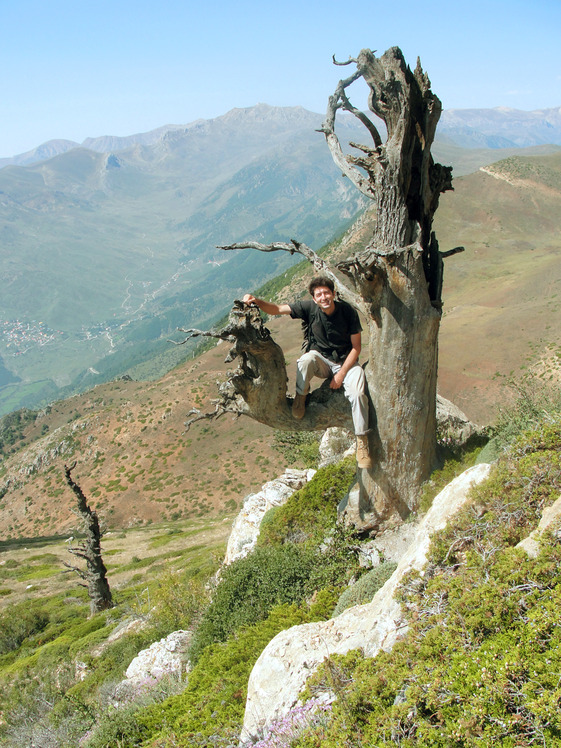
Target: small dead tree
[395,281]
[95,573]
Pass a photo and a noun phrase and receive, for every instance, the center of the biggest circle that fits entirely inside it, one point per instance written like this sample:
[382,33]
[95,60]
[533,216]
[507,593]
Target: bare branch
[320,265]
[220,410]
[351,59]
[194,333]
[75,569]
[450,252]
[328,129]
[361,116]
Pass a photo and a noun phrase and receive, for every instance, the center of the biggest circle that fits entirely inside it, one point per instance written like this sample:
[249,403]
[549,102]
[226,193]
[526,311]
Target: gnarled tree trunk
[395,282]
[95,573]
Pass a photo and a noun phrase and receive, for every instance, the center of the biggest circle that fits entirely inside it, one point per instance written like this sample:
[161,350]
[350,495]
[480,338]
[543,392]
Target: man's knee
[311,364]
[310,357]
[355,381]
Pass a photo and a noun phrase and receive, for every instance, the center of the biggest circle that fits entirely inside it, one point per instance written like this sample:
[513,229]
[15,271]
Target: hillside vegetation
[478,666]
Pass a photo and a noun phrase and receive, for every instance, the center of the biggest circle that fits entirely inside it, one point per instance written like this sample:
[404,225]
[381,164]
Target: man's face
[324,298]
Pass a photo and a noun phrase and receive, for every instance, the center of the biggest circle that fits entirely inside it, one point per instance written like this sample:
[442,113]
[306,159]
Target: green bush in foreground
[481,661]
[249,588]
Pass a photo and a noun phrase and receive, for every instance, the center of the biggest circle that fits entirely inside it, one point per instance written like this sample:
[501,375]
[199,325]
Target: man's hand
[337,380]
[266,306]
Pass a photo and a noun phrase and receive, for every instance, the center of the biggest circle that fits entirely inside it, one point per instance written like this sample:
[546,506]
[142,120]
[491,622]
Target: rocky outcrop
[165,657]
[245,529]
[453,424]
[281,671]
[551,520]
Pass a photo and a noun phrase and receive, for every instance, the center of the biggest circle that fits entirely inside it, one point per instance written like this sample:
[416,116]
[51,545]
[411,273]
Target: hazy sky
[75,69]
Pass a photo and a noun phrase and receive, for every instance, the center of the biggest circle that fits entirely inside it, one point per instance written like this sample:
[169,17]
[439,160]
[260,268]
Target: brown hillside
[503,295]
[135,461]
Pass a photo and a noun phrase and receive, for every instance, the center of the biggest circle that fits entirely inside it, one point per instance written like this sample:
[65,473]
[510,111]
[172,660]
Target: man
[332,333]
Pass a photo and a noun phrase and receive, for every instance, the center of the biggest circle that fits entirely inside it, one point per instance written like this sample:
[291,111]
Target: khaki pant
[313,364]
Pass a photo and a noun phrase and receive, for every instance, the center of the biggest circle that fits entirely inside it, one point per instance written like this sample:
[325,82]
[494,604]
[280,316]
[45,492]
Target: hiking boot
[363,459]
[299,406]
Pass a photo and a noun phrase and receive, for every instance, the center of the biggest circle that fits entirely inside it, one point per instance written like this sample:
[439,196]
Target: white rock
[453,422]
[245,529]
[550,518]
[164,657]
[334,444]
[281,671]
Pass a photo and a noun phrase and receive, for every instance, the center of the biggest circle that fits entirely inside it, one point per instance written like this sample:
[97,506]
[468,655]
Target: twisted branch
[320,265]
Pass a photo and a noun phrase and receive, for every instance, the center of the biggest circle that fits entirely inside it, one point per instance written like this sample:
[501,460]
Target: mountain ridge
[475,126]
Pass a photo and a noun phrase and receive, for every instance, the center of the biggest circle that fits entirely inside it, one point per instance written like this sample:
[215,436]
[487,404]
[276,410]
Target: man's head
[323,293]
[321,280]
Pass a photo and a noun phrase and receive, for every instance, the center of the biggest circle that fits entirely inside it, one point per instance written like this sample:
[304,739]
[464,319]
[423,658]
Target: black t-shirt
[330,334]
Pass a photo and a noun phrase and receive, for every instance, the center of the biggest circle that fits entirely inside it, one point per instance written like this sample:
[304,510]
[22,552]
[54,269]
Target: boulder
[335,444]
[281,671]
[551,520]
[165,657]
[453,424]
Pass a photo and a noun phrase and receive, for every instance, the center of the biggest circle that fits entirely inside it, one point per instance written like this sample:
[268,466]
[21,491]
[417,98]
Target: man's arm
[267,306]
[352,358]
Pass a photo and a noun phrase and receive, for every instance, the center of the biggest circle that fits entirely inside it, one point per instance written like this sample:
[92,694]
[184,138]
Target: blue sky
[75,69]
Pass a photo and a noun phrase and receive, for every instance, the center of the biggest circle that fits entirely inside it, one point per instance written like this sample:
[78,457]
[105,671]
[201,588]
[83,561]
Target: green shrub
[480,663]
[178,602]
[119,727]
[365,588]
[249,588]
[312,510]
[335,559]
[18,622]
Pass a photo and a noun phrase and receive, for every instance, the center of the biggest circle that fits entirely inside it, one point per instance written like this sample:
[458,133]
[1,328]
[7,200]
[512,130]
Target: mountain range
[103,255]
[501,127]
[107,248]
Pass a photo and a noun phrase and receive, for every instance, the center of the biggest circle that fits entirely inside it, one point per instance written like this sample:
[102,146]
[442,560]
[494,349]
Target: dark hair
[321,280]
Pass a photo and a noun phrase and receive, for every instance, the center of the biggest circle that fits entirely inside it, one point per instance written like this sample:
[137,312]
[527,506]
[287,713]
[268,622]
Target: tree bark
[395,281]
[95,572]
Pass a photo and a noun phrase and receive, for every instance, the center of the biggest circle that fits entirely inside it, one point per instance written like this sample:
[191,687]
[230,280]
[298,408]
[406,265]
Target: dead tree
[95,573]
[395,281]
